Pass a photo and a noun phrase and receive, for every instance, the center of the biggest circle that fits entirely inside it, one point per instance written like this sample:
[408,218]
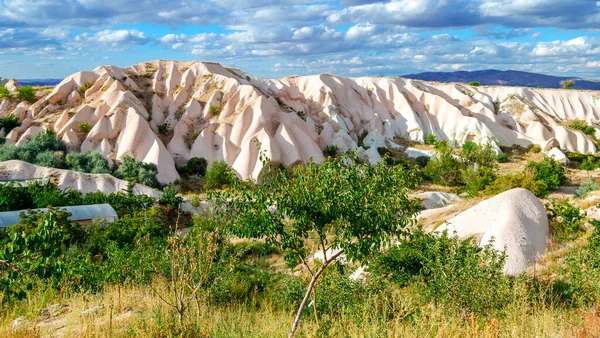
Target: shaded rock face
[206,110]
[517,222]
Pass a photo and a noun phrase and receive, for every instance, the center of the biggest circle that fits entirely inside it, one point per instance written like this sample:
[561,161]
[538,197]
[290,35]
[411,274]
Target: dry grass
[137,312]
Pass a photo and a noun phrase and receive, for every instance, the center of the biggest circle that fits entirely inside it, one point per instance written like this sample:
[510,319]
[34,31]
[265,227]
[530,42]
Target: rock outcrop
[167,112]
[67,179]
[516,221]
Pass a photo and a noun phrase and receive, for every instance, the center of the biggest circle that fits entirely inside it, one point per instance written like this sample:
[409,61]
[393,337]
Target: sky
[55,38]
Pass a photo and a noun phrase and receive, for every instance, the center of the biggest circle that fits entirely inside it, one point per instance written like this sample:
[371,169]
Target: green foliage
[549,171]
[501,158]
[39,143]
[84,127]
[219,174]
[195,166]
[163,128]
[455,273]
[430,139]
[131,228]
[567,84]
[9,123]
[92,162]
[474,84]
[320,201]
[137,171]
[445,167]
[535,149]
[85,87]
[520,180]
[588,165]
[331,151]
[49,159]
[214,110]
[4,91]
[581,126]
[586,187]
[26,93]
[565,219]
[170,199]
[35,250]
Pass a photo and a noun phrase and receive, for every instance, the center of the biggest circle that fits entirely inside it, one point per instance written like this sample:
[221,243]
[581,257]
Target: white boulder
[436,199]
[516,221]
[558,155]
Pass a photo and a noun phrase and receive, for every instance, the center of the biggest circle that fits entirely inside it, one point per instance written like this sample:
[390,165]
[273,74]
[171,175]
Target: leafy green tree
[26,93]
[219,174]
[568,84]
[430,139]
[549,170]
[35,250]
[347,208]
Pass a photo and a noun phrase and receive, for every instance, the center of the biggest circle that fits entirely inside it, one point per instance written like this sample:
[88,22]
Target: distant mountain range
[39,82]
[492,77]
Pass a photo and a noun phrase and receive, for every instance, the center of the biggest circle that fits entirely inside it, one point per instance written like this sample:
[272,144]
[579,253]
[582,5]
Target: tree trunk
[311,286]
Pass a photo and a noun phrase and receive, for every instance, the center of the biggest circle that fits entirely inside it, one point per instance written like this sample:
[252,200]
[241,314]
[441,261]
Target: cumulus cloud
[114,39]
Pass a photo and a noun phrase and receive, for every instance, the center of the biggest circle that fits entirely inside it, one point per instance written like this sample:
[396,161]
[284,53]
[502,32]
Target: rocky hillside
[166,112]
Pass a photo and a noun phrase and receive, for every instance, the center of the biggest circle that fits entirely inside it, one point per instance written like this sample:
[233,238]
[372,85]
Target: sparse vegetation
[430,139]
[163,128]
[85,87]
[84,127]
[4,91]
[26,93]
[331,151]
[565,219]
[535,149]
[586,187]
[214,110]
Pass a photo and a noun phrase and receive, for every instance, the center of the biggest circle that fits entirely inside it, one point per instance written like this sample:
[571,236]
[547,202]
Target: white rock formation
[13,85]
[216,113]
[558,155]
[67,179]
[515,219]
[436,199]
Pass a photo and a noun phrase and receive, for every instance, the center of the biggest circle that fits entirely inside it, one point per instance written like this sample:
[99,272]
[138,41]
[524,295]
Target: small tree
[26,93]
[219,173]
[345,207]
[567,84]
[474,84]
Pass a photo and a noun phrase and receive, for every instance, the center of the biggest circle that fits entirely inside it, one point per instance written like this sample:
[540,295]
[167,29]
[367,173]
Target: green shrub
[565,219]
[474,83]
[445,167]
[137,171]
[501,158]
[26,93]
[214,110]
[9,123]
[586,187]
[219,174]
[38,144]
[92,162]
[196,166]
[430,139]
[331,151]
[4,91]
[170,198]
[476,178]
[84,127]
[49,159]
[455,273]
[568,84]
[549,171]
[535,149]
[422,161]
[588,164]
[163,128]
[511,181]
[85,87]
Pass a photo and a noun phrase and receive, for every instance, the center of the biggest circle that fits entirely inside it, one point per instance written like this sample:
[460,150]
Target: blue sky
[52,38]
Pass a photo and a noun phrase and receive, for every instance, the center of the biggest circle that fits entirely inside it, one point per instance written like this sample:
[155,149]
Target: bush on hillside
[586,187]
[26,93]
[92,162]
[9,123]
[519,180]
[430,139]
[331,151]
[4,91]
[549,171]
[454,273]
[565,219]
[445,167]
[137,171]
[535,149]
[219,174]
[474,83]
[39,143]
[195,166]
